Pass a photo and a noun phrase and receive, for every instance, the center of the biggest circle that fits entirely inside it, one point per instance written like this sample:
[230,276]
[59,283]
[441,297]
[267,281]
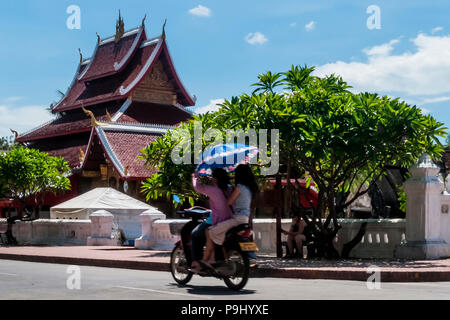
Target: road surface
[27,280]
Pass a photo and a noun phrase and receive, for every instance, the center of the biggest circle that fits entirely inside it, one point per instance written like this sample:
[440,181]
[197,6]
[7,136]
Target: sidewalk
[266,266]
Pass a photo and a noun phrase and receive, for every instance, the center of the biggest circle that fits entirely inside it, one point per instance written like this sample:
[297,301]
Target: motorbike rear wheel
[241,264]
[179,266]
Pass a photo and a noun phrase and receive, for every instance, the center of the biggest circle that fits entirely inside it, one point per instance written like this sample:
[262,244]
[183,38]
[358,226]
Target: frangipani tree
[30,174]
[340,140]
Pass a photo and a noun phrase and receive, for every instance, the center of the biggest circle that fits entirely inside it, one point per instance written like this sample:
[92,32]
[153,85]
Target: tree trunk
[351,244]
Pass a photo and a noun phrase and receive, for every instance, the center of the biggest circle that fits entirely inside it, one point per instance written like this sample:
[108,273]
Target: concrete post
[148,238]
[102,229]
[423,193]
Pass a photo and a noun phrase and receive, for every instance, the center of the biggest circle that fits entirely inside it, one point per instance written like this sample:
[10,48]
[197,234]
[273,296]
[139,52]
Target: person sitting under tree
[295,237]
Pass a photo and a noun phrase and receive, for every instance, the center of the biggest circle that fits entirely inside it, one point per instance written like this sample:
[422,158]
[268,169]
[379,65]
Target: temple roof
[111,57]
[122,144]
[69,149]
[76,121]
[116,69]
[72,122]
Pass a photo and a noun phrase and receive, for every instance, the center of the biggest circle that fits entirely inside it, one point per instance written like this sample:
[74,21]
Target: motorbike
[233,257]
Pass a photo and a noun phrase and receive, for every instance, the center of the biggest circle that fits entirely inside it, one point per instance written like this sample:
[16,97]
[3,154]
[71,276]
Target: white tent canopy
[126,210]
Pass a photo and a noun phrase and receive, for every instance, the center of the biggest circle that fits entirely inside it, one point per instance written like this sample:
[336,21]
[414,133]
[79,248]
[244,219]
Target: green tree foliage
[29,174]
[340,140]
[172,179]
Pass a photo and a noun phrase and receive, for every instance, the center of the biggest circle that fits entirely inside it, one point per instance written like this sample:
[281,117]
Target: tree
[173,179]
[28,174]
[340,140]
[6,143]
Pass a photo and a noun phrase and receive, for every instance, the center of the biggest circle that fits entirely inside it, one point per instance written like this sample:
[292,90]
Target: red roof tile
[111,57]
[69,149]
[105,89]
[73,122]
[127,146]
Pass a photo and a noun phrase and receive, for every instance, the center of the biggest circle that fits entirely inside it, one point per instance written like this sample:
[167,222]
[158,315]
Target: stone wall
[380,240]
[51,232]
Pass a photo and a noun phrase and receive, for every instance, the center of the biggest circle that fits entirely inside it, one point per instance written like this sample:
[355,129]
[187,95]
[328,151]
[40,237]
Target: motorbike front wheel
[240,262]
[179,266]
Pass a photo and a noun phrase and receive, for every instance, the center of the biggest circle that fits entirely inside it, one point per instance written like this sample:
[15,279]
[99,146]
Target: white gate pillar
[423,208]
[102,229]
[148,238]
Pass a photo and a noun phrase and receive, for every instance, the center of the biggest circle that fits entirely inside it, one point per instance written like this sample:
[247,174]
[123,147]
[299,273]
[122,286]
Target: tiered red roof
[103,89]
[106,82]
[72,122]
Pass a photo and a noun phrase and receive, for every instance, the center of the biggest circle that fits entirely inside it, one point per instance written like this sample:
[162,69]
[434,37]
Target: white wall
[52,232]
[380,240]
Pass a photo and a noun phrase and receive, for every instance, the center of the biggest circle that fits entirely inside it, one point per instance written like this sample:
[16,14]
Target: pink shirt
[217,201]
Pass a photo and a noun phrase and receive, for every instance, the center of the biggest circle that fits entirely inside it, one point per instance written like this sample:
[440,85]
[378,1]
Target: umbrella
[227,156]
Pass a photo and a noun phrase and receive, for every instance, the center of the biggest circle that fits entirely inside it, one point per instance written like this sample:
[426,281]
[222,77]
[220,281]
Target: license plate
[248,246]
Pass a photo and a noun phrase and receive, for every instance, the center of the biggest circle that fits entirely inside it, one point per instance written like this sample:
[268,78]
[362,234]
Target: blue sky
[219,47]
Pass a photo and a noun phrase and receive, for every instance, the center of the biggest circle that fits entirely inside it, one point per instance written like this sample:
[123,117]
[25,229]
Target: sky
[397,48]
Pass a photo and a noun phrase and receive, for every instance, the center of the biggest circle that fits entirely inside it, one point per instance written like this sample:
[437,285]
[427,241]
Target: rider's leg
[209,251]
[198,240]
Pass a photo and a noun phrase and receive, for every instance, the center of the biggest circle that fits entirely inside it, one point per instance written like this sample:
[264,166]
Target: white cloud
[256,38]
[381,50]
[423,72]
[437,29]
[200,11]
[22,118]
[293,24]
[211,107]
[310,26]
[435,100]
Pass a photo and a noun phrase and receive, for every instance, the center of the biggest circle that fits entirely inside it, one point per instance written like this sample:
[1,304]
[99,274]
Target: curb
[121,264]
[353,275]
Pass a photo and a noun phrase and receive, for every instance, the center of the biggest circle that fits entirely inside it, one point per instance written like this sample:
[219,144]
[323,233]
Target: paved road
[26,280]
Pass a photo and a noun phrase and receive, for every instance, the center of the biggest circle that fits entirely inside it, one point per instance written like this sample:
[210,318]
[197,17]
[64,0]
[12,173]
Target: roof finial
[82,155]
[81,56]
[120,29]
[16,134]
[94,122]
[143,22]
[164,29]
[108,116]
[98,38]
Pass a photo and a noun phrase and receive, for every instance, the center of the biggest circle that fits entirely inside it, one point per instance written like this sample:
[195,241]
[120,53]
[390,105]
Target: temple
[122,98]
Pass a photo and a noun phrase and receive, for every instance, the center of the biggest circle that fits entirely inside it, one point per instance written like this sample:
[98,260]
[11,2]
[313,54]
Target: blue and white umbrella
[226,156]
